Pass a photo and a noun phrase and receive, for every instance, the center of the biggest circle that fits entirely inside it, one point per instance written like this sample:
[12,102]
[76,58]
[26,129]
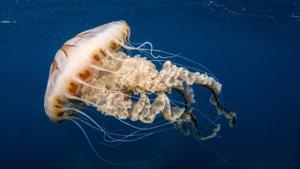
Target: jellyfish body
[91,69]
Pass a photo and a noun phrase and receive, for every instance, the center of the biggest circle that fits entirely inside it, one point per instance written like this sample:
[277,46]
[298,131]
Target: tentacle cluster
[134,78]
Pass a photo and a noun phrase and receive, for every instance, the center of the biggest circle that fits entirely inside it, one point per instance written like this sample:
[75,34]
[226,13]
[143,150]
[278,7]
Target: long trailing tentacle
[110,134]
[95,151]
[131,137]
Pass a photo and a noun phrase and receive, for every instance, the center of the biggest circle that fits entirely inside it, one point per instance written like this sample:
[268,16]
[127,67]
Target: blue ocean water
[251,46]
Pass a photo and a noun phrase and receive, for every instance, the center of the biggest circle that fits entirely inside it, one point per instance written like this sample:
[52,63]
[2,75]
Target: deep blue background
[251,46]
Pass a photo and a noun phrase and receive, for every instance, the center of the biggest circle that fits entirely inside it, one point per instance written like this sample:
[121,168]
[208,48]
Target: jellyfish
[92,69]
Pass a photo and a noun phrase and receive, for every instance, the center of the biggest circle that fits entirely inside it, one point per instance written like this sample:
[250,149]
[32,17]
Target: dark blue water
[252,47]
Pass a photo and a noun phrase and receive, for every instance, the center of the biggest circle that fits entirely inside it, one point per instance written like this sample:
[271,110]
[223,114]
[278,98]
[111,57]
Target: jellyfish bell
[92,69]
[73,61]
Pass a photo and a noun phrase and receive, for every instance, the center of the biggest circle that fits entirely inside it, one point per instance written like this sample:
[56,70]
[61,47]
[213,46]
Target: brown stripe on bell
[60,102]
[61,113]
[97,57]
[85,74]
[73,88]
[102,53]
[113,46]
